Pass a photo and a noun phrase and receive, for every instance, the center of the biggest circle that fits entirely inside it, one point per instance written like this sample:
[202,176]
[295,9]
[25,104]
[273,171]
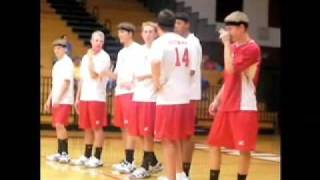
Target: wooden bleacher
[52,27]
[122,10]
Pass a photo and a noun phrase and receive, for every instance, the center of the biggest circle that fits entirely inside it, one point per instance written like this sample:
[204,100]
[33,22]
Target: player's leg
[84,123]
[187,152]
[128,105]
[88,141]
[62,137]
[130,145]
[188,144]
[180,174]
[244,163]
[146,129]
[220,136]
[60,119]
[127,165]
[150,162]
[148,146]
[214,162]
[124,107]
[245,129]
[97,114]
[170,158]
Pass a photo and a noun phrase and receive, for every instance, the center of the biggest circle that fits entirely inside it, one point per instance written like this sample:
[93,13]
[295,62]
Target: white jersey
[126,62]
[172,51]
[62,70]
[94,89]
[196,57]
[144,90]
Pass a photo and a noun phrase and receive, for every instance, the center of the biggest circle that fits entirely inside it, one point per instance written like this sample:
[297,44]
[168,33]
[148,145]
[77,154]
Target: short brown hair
[59,42]
[127,27]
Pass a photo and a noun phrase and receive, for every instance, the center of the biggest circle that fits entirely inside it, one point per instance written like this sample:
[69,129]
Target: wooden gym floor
[268,147]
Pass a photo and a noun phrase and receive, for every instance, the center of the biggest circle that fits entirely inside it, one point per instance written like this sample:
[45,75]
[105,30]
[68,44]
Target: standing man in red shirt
[235,107]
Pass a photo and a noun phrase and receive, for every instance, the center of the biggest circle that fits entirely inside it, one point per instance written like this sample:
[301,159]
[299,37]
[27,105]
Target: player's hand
[224,36]
[47,105]
[158,86]
[213,108]
[76,106]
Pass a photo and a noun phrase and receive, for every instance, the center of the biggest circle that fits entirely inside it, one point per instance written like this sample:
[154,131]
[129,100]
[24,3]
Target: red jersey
[239,93]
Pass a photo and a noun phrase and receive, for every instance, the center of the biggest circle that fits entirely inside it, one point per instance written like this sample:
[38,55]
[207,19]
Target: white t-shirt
[94,89]
[125,66]
[196,54]
[172,51]
[144,90]
[62,70]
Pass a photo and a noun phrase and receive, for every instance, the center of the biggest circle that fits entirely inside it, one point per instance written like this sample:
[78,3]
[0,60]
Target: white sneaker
[79,162]
[93,162]
[182,176]
[54,157]
[64,158]
[139,173]
[156,168]
[179,176]
[162,178]
[124,167]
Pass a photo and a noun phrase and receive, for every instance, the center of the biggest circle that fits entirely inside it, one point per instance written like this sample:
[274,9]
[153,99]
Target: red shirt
[239,93]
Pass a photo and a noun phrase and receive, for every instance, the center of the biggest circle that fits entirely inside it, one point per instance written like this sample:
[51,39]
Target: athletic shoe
[179,176]
[64,158]
[93,162]
[124,167]
[54,157]
[182,176]
[162,178]
[79,162]
[139,173]
[156,168]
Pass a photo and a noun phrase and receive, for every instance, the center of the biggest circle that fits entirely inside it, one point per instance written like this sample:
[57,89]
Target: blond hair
[151,24]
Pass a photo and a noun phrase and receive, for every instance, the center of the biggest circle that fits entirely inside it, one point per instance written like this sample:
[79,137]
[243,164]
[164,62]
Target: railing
[208,95]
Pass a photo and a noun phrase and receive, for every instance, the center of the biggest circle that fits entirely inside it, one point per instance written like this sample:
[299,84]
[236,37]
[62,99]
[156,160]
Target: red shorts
[144,115]
[235,130]
[92,114]
[60,114]
[193,116]
[123,105]
[172,122]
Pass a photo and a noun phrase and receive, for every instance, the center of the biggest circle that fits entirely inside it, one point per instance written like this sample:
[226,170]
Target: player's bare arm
[77,100]
[141,78]
[225,37]
[155,69]
[216,102]
[47,105]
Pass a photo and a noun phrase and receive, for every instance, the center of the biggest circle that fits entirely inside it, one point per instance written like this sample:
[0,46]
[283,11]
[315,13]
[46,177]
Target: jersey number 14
[185,57]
